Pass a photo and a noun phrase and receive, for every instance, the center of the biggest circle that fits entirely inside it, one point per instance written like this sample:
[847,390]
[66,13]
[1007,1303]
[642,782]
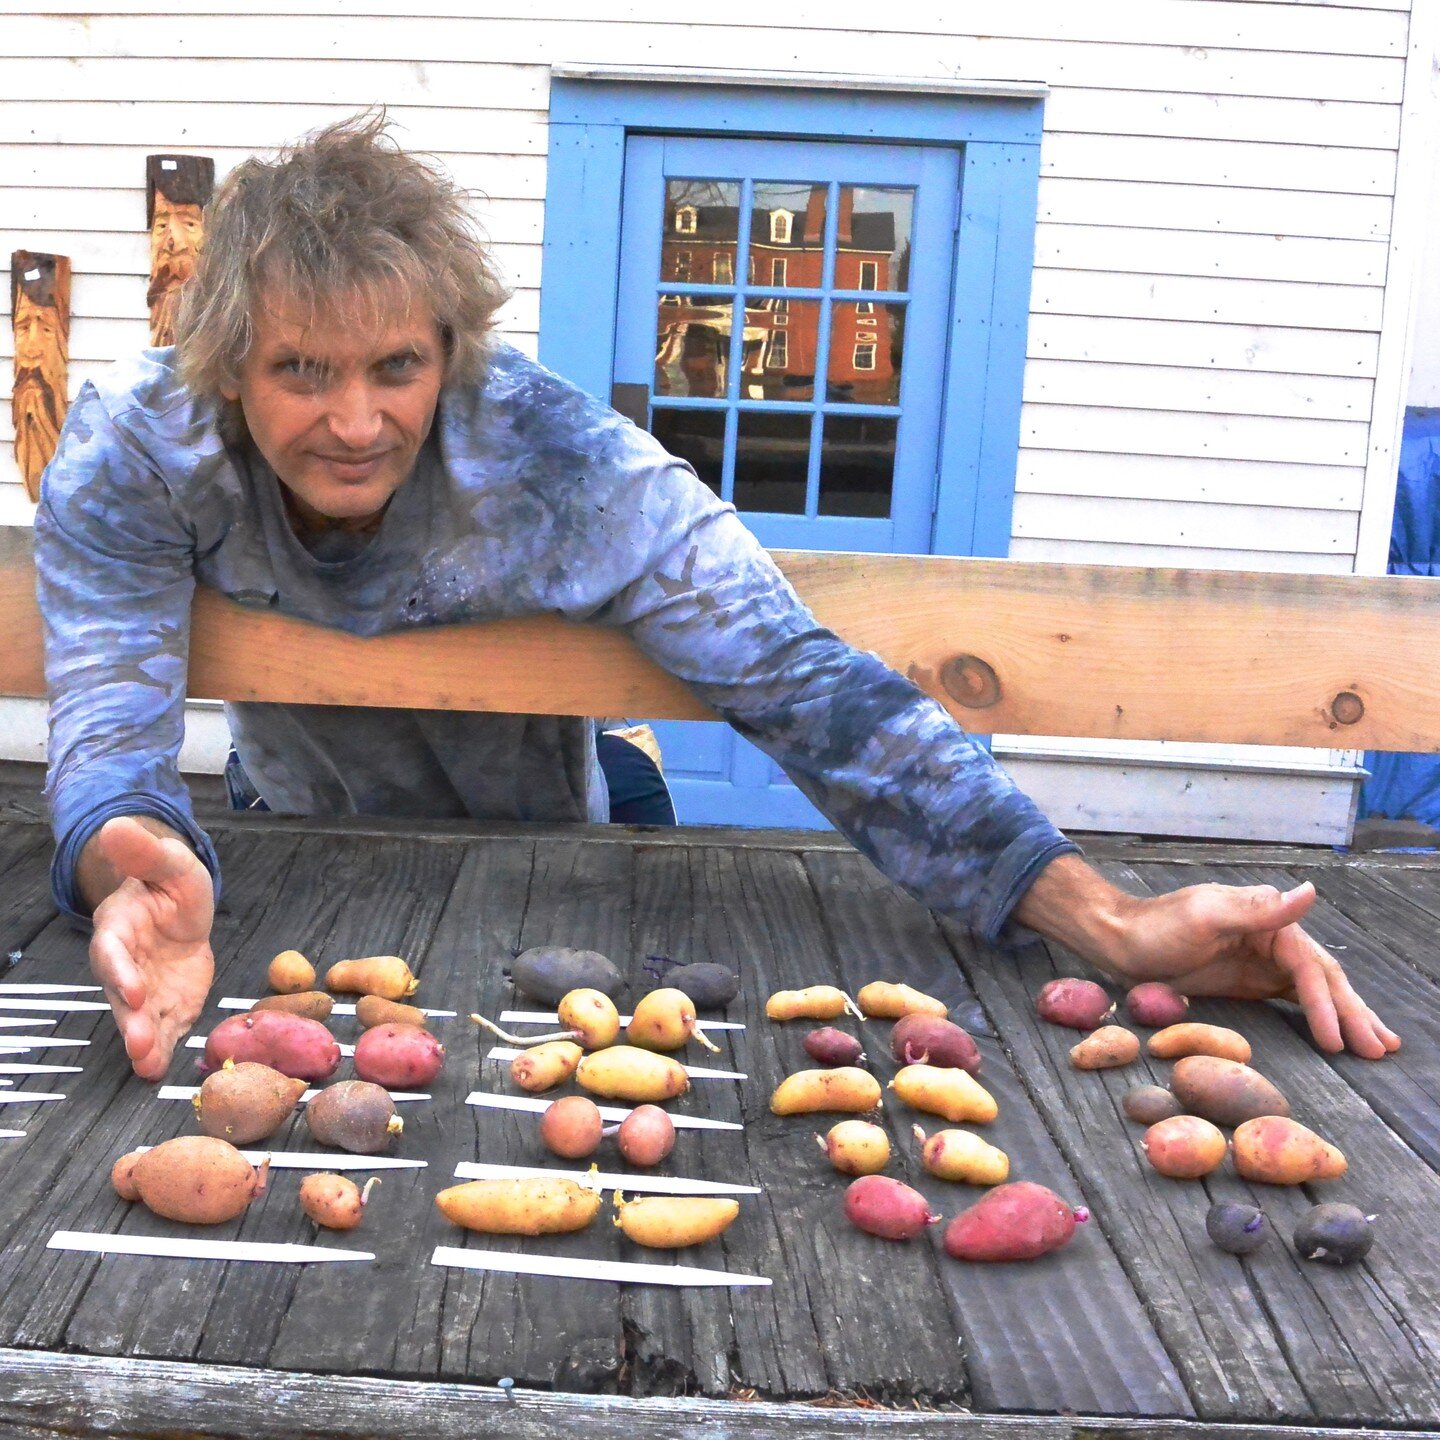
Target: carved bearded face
[175,239]
[38,399]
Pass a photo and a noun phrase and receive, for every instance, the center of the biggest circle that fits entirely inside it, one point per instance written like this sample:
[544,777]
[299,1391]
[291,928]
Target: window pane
[702,220]
[872,245]
[787,233]
[772,462]
[692,346]
[866,341]
[779,349]
[694,435]
[857,465]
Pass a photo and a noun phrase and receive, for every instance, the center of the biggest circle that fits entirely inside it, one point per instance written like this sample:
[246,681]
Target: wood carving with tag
[177,190]
[40,310]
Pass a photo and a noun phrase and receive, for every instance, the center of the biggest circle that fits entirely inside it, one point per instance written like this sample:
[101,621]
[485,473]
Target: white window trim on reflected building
[685,220]
[781,223]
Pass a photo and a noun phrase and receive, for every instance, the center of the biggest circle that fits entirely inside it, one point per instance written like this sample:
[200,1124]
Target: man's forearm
[96,877]
[1073,903]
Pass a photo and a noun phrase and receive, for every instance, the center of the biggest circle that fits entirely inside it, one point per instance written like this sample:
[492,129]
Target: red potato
[830,1046]
[197,1180]
[571,1127]
[1156,1004]
[929,1040]
[334,1201]
[1079,1004]
[881,1206]
[1225,1091]
[1016,1221]
[646,1136]
[291,1044]
[1184,1147]
[399,1057]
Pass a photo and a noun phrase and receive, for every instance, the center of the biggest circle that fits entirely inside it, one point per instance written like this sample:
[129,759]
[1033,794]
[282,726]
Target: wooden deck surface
[1140,1324]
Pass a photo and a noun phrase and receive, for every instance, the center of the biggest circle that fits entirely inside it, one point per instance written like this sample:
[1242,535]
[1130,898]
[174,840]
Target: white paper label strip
[6,1082]
[12,1134]
[328,1160]
[623,1271]
[640,1184]
[26,1097]
[197,1042]
[16,987]
[10,1002]
[239,1002]
[19,1022]
[189,1092]
[607,1112]
[22,1069]
[14,1043]
[695,1072]
[549,1017]
[188,1248]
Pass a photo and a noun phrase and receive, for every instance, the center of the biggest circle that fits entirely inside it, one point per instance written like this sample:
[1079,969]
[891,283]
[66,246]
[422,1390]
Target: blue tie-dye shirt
[529,498]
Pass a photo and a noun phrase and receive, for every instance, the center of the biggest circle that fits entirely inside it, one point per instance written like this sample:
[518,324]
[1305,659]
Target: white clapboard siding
[1185,557]
[1184,477]
[1228,346]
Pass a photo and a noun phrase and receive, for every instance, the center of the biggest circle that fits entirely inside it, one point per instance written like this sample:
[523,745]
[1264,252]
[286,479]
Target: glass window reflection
[866,350]
[692,346]
[694,435]
[702,223]
[872,242]
[787,233]
[772,461]
[857,465]
[779,349]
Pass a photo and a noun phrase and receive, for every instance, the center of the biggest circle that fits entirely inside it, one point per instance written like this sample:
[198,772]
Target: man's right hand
[151,946]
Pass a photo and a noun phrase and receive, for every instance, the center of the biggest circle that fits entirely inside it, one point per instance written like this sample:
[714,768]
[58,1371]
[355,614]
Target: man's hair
[345,223]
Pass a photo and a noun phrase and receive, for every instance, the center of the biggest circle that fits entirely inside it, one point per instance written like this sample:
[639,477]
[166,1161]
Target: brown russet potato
[289,973]
[1224,1091]
[856,1147]
[387,976]
[356,1115]
[1156,1004]
[1078,1004]
[291,1044]
[335,1201]
[197,1180]
[1184,1147]
[960,1156]
[1147,1104]
[520,1207]
[663,1020]
[646,1136]
[592,1015]
[930,1040]
[884,1000]
[954,1095]
[1278,1151]
[399,1057]
[313,1004]
[626,1072]
[246,1102]
[671,1222]
[373,1010]
[829,1046]
[1017,1221]
[1107,1048]
[542,1067]
[887,1208]
[1192,1038]
[814,1002]
[571,1127]
[845,1088]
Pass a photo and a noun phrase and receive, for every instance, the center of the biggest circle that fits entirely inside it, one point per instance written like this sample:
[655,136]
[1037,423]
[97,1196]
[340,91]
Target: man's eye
[400,364]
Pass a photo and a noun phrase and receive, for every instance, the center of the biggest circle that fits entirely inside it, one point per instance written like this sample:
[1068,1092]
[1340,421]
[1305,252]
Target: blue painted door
[785,308]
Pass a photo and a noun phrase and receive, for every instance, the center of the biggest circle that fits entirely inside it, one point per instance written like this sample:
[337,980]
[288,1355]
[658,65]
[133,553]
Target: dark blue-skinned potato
[709,986]
[1238,1229]
[1335,1234]
[549,972]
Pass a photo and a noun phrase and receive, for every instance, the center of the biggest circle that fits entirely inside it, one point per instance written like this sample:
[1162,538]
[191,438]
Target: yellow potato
[592,1015]
[669,1222]
[542,1067]
[1192,1038]
[520,1207]
[959,1155]
[856,1147]
[1107,1048]
[846,1087]
[881,1000]
[290,973]
[387,976]
[625,1072]
[954,1095]
[1184,1147]
[663,1020]
[1277,1151]
[815,1002]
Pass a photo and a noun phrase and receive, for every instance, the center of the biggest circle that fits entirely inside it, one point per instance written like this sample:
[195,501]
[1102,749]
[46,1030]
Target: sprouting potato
[1016,1221]
[520,1207]
[399,1057]
[646,1135]
[815,1002]
[664,1020]
[882,1000]
[1156,1004]
[1278,1151]
[1080,1004]
[246,1102]
[1192,1038]
[1224,1091]
[571,1127]
[335,1201]
[197,1179]
[356,1115]
[625,1072]
[289,973]
[881,1206]
[542,1067]
[958,1155]
[1184,1147]
[291,1044]
[373,1010]
[313,1004]
[846,1088]
[929,1040]
[1107,1048]
[856,1147]
[670,1222]
[385,975]
[592,1015]
[954,1095]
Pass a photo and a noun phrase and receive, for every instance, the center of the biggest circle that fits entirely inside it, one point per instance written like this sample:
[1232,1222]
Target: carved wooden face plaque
[177,189]
[40,307]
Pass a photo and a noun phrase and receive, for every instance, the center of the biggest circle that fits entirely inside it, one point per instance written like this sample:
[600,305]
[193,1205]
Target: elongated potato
[387,976]
[845,1088]
[815,1002]
[670,1222]
[1277,1151]
[542,1067]
[291,1044]
[197,1179]
[549,972]
[954,1095]
[1107,1048]
[625,1072]
[958,1155]
[1184,1147]
[882,1000]
[246,1102]
[313,1004]
[1016,1221]
[289,973]
[1225,1091]
[373,1010]
[520,1207]
[1193,1038]
[882,1206]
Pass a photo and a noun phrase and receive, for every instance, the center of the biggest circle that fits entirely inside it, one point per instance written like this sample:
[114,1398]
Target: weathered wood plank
[25,903]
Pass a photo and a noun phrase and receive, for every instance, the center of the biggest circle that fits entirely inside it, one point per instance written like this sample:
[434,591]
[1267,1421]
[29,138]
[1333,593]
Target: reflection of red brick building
[779,344]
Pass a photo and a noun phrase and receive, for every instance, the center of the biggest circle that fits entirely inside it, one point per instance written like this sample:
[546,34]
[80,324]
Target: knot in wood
[1347,707]
[971,682]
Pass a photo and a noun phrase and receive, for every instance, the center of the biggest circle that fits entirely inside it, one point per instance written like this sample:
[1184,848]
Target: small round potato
[856,1147]
[646,1136]
[335,1201]
[592,1015]
[829,1046]
[1156,1004]
[1185,1147]
[289,973]
[355,1115]
[399,1057]
[1148,1104]
[663,1020]
[571,1127]
[958,1155]
[542,1067]
[1080,1004]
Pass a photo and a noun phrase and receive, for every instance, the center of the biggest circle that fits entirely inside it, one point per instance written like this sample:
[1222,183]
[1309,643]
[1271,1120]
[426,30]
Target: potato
[1155,1004]
[399,1057]
[542,1067]
[387,976]
[373,1010]
[670,1222]
[1184,1147]
[571,1127]
[815,1002]
[1335,1234]
[289,973]
[592,1016]
[1147,1104]
[625,1072]
[959,1155]
[1107,1048]
[1192,1038]
[520,1207]
[1237,1229]
[856,1147]
[246,1102]
[954,1095]
[549,972]
[313,1004]
[929,1040]
[646,1135]
[1277,1151]
[334,1201]
[1079,1004]
[356,1115]
[881,1206]
[197,1179]
[830,1046]
[710,986]
[663,1020]
[1017,1221]
[881,1000]
[845,1088]
[1224,1091]
[122,1176]
[291,1044]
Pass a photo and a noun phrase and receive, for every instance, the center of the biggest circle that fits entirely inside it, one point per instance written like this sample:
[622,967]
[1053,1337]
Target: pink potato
[1080,1004]
[881,1206]
[399,1057]
[301,1048]
[929,1040]
[646,1135]
[1018,1221]
[829,1046]
[1155,1005]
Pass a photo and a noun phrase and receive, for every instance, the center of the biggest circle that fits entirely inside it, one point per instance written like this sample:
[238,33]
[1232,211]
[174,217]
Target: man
[336,436]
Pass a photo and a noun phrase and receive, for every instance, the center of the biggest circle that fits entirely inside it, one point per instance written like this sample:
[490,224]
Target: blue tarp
[1404,786]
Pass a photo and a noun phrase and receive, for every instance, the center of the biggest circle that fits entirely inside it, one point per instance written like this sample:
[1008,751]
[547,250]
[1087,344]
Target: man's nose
[355,418]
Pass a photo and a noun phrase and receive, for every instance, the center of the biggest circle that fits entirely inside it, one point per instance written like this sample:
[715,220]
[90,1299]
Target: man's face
[339,409]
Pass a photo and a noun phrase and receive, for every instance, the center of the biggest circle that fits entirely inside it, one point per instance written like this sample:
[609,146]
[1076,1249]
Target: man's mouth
[352,467]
